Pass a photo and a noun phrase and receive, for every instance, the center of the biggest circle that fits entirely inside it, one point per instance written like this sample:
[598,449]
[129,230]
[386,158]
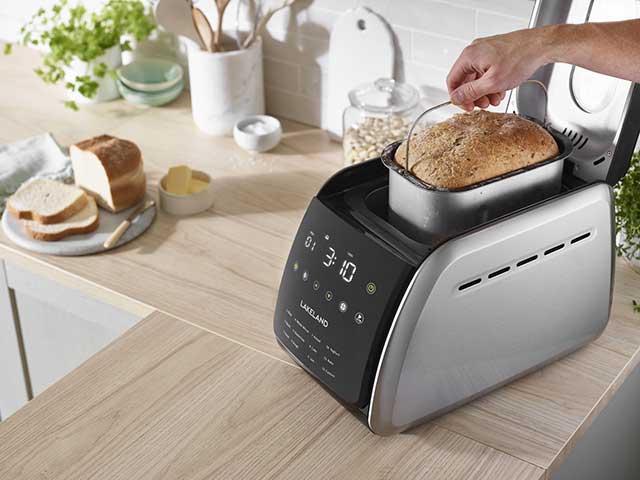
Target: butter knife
[118,232]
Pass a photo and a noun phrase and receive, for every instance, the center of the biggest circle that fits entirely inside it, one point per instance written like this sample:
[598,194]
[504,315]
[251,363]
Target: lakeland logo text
[312,313]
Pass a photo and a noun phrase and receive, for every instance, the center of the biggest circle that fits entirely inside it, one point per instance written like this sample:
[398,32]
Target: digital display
[330,258]
[336,302]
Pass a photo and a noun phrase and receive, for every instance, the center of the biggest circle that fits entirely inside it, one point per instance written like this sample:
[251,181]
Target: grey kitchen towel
[38,156]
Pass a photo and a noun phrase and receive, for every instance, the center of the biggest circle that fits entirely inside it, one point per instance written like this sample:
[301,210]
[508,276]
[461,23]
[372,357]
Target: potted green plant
[82,48]
[627,200]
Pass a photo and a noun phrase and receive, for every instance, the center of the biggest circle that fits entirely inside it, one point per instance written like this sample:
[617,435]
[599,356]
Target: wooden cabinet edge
[583,429]
[76,282]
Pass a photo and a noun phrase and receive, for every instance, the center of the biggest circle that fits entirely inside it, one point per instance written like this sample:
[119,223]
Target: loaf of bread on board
[470,148]
[109,169]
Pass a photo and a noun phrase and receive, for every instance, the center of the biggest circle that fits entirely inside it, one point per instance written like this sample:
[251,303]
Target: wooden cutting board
[361,50]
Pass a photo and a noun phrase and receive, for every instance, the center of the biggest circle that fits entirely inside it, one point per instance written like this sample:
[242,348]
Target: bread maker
[399,328]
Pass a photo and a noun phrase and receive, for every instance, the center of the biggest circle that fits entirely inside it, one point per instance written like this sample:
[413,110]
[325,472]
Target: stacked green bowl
[152,82]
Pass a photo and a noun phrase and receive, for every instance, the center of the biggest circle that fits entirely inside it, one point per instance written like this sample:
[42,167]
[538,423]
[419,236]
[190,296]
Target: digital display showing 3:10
[348,268]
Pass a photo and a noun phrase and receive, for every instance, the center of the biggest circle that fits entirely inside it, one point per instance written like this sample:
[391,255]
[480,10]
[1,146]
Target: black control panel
[338,295]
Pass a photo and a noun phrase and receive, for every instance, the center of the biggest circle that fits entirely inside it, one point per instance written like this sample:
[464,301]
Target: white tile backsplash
[434,17]
[429,35]
[436,50]
[282,75]
[488,23]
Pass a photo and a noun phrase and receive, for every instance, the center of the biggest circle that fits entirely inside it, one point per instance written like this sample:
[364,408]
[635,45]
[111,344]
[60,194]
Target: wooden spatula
[221,6]
[203,27]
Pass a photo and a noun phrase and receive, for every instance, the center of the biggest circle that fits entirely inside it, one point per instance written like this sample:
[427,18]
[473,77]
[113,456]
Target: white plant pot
[107,87]
[225,87]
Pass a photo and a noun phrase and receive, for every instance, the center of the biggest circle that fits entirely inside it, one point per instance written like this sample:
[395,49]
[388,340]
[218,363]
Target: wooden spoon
[259,28]
[176,17]
[221,5]
[203,27]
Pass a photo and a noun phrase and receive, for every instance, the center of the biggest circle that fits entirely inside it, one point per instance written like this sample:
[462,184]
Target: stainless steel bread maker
[400,329]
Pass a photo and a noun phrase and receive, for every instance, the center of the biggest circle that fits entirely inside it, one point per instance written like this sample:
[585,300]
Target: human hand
[490,66]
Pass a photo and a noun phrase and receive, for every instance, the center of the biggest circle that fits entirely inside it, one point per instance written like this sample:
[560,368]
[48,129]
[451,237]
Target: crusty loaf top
[472,147]
[119,157]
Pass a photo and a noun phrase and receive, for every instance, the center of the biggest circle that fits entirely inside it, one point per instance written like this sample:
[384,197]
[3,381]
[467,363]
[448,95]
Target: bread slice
[85,221]
[46,201]
[111,170]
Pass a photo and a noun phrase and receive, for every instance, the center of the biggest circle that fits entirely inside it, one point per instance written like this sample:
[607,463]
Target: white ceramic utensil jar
[225,87]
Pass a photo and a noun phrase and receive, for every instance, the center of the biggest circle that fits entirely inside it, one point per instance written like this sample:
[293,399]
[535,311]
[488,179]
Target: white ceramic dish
[150,75]
[191,204]
[266,134]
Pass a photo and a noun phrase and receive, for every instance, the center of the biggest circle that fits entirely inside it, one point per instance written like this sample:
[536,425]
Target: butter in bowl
[184,191]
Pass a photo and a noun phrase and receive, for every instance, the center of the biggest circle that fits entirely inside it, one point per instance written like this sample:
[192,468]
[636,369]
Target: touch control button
[359,318]
[343,306]
[371,288]
[316,285]
[333,351]
[328,372]
[328,296]
[305,276]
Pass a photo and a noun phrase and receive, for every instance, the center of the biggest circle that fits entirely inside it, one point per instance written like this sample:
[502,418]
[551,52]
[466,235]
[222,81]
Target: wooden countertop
[206,391]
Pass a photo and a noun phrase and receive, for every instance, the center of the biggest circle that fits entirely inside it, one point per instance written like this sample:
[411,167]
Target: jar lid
[385,95]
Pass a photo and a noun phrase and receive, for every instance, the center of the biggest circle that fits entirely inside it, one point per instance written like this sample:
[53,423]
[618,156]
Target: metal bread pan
[429,213]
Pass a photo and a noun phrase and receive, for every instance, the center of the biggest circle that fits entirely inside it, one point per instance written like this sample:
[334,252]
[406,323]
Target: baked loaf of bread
[470,148]
[110,170]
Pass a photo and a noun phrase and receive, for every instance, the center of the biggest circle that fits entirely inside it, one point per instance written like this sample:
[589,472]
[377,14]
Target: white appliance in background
[361,49]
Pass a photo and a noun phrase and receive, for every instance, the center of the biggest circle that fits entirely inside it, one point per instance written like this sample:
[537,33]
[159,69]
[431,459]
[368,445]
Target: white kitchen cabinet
[13,386]
[57,328]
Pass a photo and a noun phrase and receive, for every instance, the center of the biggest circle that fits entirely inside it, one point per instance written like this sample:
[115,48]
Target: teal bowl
[152,99]
[150,75]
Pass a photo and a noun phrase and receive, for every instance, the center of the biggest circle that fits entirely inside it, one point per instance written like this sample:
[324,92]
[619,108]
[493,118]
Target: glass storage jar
[380,113]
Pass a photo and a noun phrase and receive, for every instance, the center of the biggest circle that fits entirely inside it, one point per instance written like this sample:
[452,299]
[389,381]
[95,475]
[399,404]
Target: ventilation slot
[599,161]
[584,142]
[580,238]
[470,284]
[525,261]
[577,139]
[554,249]
[522,263]
[499,272]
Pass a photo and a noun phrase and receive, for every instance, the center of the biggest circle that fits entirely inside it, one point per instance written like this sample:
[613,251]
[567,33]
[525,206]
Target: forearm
[609,48]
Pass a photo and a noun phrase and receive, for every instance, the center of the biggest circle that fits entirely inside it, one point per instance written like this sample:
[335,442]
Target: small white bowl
[189,204]
[150,75]
[265,137]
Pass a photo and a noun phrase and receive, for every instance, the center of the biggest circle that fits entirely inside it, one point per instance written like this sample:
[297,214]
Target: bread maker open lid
[599,113]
